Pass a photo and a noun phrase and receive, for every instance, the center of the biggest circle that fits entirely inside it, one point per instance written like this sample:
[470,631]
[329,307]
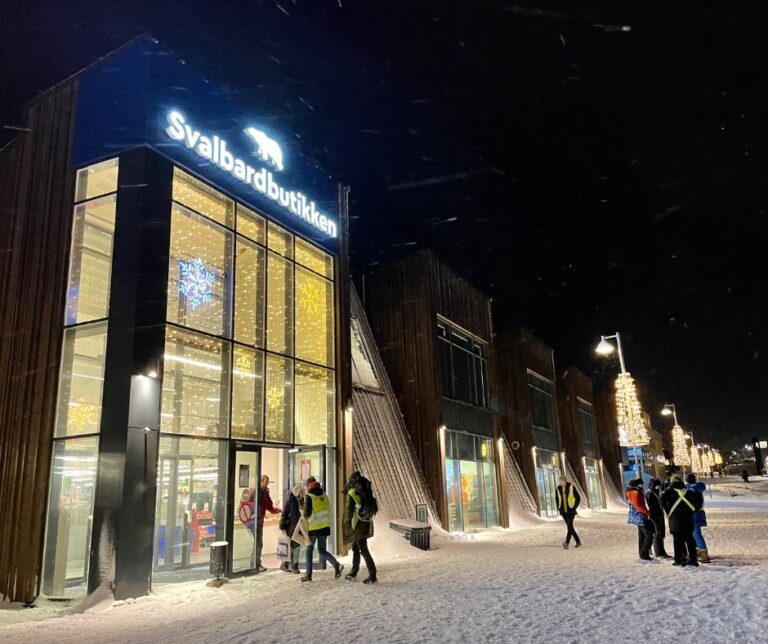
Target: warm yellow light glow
[629,414]
[666,411]
[695,459]
[604,348]
[680,453]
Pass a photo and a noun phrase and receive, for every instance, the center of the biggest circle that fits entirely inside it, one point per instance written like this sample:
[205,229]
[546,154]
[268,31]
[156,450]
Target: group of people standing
[679,504]
[311,509]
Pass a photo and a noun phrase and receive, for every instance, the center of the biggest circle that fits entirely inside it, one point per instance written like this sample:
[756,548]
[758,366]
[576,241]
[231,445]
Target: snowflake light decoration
[195,282]
[274,398]
[310,300]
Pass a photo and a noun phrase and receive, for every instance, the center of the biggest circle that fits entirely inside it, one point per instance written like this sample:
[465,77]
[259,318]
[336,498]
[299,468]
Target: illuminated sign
[215,149]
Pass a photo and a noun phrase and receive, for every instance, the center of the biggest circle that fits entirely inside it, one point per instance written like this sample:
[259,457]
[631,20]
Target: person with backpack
[681,504]
[699,519]
[568,499]
[359,511]
[639,516]
[656,515]
[289,519]
[317,510]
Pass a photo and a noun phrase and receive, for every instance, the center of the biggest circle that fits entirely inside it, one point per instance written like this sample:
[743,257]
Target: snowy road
[503,587]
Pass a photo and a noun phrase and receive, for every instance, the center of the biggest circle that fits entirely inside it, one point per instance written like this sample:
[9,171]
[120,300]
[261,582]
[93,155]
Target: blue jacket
[638,511]
[700,517]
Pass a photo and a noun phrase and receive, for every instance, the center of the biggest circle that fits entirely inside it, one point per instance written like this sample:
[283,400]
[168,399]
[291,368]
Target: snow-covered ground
[500,586]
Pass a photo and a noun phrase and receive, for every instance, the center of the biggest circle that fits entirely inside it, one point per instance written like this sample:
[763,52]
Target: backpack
[368,506]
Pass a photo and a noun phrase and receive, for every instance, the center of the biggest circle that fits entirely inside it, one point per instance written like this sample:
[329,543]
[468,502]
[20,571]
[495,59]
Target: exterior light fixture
[604,348]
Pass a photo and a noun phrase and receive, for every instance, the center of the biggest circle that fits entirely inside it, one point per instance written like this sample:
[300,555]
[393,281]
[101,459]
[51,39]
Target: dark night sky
[590,179]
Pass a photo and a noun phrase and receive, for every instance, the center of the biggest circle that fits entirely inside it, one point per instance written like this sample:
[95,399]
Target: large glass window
[594,484]
[315,408]
[251,224]
[547,480]
[199,273]
[279,399]
[90,264]
[249,293]
[279,304]
[68,525]
[195,384]
[542,402]
[587,428]
[462,366]
[313,258]
[191,506]
[248,394]
[96,180]
[470,478]
[314,318]
[81,381]
[202,198]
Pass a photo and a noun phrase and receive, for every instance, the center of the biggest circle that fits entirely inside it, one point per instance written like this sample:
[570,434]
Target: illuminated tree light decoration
[695,460]
[195,282]
[718,458]
[633,430]
[711,459]
[680,452]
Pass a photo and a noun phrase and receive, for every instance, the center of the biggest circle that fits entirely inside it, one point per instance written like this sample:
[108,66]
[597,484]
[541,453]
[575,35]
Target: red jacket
[636,498]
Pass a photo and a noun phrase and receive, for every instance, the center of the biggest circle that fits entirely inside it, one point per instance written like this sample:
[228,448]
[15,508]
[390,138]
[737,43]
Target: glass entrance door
[305,462]
[243,520]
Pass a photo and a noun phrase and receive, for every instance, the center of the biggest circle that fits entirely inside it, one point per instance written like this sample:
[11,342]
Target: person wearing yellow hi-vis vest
[568,499]
[317,511]
[358,529]
[681,505]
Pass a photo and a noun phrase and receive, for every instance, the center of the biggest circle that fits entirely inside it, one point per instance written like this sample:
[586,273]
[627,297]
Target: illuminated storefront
[199,334]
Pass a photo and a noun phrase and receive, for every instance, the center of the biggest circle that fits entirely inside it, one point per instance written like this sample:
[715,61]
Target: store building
[175,321]
[579,434]
[433,330]
[526,378]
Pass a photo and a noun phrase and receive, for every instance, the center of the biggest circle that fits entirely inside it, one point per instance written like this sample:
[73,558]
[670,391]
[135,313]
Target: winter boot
[565,545]
[351,576]
[284,566]
[703,556]
[294,569]
[338,568]
[578,544]
[370,579]
[307,577]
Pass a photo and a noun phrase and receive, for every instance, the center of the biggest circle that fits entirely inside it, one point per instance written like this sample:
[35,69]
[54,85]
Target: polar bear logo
[267,149]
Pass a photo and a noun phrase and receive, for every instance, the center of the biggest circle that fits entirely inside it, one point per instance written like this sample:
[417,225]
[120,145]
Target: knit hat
[676,477]
[313,485]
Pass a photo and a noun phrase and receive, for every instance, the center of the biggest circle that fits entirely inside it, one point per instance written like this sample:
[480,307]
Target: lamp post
[606,348]
[669,409]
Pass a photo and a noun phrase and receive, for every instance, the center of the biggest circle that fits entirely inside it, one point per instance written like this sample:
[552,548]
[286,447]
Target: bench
[416,532]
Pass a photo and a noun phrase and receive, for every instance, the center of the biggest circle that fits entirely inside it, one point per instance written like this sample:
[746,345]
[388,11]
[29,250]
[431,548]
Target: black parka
[681,520]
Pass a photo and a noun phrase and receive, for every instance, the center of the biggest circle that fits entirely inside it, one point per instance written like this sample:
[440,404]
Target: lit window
[314,318]
[251,224]
[195,384]
[96,180]
[280,241]
[247,393]
[249,293]
[313,258]
[199,273]
[279,304]
[203,199]
[82,380]
[90,264]
[315,397]
[279,399]
[70,509]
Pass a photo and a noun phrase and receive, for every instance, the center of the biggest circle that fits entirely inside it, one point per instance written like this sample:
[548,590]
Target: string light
[680,453]
[633,430]
[695,460]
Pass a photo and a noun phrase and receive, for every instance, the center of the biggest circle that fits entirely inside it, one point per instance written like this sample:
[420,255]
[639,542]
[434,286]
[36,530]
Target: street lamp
[629,413]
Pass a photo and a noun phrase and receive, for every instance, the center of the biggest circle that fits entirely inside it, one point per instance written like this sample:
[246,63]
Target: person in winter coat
[656,515]
[681,504]
[357,530]
[639,516]
[263,505]
[317,510]
[288,521]
[568,499]
[745,476]
[699,519]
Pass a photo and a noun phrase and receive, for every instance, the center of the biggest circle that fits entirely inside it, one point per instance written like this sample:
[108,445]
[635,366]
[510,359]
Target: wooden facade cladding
[515,352]
[403,301]
[607,431]
[36,189]
[573,384]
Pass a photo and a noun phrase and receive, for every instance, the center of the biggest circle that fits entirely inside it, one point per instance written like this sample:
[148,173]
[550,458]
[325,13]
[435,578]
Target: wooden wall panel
[36,188]
[607,431]
[403,300]
[572,385]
